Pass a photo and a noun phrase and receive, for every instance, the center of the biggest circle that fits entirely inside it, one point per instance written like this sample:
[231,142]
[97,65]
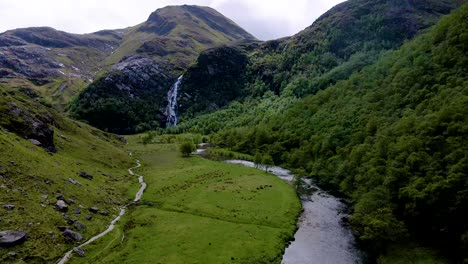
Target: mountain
[342,41]
[132,96]
[59,65]
[178,34]
[391,138]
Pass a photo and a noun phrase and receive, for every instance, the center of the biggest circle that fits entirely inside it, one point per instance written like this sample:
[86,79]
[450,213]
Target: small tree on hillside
[268,162]
[186,148]
[257,159]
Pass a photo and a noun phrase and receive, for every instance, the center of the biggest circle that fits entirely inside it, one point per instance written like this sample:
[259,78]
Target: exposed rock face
[31,52]
[131,98]
[30,125]
[216,79]
[11,238]
[72,235]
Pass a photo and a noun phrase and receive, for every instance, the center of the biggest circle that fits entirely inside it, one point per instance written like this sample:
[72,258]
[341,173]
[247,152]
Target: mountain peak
[164,20]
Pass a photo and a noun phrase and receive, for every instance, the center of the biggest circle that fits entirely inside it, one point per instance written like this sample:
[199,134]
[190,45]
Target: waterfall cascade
[171,110]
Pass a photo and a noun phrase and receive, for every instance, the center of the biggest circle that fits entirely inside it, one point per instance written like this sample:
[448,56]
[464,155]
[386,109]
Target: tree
[257,159]
[267,161]
[186,148]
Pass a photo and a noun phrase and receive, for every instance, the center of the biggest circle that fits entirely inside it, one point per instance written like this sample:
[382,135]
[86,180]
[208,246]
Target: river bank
[321,237]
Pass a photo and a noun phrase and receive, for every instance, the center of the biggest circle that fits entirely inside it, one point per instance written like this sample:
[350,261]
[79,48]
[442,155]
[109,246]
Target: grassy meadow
[200,211]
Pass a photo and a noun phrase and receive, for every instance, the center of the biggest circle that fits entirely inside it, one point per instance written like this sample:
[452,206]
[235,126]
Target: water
[171,110]
[321,238]
[111,227]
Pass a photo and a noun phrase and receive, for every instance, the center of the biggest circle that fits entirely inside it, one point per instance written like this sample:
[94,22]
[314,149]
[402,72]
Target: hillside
[178,34]
[132,96]
[41,158]
[59,65]
[345,39]
[391,138]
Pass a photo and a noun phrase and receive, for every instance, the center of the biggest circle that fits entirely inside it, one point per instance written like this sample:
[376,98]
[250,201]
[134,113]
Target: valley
[356,126]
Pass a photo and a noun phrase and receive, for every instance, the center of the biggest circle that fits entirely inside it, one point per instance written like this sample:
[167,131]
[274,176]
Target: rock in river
[11,238]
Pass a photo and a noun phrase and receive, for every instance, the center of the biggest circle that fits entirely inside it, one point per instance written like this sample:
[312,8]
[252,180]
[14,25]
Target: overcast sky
[265,19]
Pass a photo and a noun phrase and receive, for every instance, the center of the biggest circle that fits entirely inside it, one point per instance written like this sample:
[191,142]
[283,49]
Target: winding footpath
[111,227]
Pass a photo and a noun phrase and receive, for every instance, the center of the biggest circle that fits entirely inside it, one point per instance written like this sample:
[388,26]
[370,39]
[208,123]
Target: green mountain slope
[345,39]
[59,65]
[178,34]
[41,157]
[392,138]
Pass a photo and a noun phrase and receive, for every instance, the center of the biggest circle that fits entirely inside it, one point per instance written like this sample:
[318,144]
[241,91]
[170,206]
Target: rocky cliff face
[216,79]
[131,98]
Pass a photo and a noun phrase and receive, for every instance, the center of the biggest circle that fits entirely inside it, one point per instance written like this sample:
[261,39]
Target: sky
[265,19]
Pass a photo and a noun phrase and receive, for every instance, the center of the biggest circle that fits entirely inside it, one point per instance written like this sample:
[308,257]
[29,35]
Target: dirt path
[138,195]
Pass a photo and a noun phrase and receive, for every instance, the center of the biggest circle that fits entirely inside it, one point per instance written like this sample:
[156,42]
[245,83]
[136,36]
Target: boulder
[94,209]
[89,217]
[74,181]
[35,142]
[61,206]
[105,213]
[77,210]
[86,175]
[80,226]
[72,235]
[12,238]
[9,207]
[79,251]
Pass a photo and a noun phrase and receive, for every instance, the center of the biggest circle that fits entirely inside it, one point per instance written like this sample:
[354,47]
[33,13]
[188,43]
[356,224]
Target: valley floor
[200,211]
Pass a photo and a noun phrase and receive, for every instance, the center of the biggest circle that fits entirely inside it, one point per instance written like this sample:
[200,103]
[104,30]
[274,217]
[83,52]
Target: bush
[186,148]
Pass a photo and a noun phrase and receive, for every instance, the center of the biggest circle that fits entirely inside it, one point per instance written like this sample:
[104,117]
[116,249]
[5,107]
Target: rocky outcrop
[130,99]
[11,238]
[32,126]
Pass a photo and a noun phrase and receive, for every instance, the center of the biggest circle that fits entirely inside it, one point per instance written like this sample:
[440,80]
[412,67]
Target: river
[322,238]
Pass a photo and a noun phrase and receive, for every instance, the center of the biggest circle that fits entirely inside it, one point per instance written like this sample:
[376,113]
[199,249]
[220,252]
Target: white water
[321,237]
[111,227]
[171,110]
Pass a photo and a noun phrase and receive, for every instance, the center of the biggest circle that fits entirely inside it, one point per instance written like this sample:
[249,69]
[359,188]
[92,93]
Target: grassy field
[200,211]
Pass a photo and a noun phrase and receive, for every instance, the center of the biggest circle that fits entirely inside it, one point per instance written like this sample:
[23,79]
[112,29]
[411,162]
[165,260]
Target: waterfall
[171,110]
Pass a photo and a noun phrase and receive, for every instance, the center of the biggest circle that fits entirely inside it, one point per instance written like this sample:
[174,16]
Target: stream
[111,227]
[322,237]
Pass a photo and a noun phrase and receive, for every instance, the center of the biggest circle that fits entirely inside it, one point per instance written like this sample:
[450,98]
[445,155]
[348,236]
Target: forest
[392,138]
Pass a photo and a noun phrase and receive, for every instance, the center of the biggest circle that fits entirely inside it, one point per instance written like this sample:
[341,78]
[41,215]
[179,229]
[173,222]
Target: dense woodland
[391,137]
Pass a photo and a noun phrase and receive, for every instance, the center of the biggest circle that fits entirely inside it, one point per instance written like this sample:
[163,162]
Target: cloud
[266,19]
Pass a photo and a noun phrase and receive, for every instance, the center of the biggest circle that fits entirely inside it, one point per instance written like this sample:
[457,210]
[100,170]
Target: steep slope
[345,39]
[132,96]
[392,138]
[59,65]
[42,156]
[177,34]
[56,64]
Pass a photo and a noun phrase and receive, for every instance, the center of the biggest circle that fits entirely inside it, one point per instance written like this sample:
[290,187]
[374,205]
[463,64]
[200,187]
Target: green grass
[200,211]
[411,254]
[27,172]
